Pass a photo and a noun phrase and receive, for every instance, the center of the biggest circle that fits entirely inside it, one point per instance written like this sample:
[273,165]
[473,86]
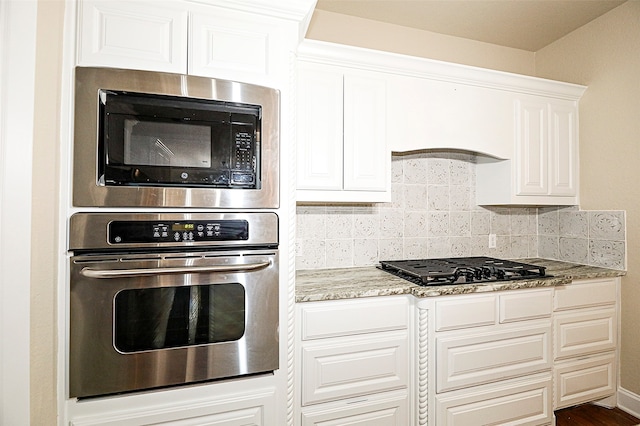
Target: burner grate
[461,270]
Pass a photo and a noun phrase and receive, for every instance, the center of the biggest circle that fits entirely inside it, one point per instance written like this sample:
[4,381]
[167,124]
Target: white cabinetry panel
[132,35]
[320,127]
[357,365]
[563,149]
[389,409]
[466,360]
[519,306]
[218,42]
[584,294]
[579,333]
[522,402]
[366,157]
[585,379]
[464,312]
[342,148]
[531,148]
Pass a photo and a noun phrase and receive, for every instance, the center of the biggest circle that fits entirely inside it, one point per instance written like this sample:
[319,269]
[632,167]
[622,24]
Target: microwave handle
[118,273]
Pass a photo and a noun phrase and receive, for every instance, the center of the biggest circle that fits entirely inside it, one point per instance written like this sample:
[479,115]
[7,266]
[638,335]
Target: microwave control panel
[128,232]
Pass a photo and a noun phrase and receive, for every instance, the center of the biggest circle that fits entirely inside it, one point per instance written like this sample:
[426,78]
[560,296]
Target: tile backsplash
[433,214]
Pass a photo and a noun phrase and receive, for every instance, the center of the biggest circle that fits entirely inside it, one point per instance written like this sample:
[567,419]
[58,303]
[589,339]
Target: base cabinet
[353,362]
[586,316]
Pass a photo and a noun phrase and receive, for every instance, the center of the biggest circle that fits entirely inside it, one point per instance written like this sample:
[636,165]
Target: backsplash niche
[433,214]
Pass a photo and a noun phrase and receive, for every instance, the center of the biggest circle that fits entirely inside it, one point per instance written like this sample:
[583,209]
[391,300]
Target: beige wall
[44,253]
[605,55]
[336,28]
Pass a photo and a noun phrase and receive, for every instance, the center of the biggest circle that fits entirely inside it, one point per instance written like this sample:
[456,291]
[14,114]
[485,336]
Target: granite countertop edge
[351,283]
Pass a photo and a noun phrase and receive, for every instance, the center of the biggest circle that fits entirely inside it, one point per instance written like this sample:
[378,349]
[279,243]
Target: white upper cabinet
[543,169]
[342,145]
[234,40]
[133,35]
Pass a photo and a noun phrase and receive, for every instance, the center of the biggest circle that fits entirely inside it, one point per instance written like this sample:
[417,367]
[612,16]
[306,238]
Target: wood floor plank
[594,415]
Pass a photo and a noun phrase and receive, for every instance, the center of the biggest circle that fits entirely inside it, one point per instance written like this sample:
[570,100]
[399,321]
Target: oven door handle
[118,273]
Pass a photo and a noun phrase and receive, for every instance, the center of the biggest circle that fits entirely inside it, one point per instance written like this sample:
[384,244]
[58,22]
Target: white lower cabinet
[353,361]
[586,334]
[497,370]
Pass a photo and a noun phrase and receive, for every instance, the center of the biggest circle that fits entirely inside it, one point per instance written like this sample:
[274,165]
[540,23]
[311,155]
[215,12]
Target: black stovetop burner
[461,270]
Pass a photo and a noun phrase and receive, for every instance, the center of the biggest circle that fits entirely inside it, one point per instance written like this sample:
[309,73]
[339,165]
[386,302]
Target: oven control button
[176,236]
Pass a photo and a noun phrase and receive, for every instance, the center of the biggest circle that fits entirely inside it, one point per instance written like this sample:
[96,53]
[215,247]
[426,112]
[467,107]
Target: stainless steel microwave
[148,139]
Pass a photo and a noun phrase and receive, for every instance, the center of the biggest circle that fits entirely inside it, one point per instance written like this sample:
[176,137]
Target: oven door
[142,321]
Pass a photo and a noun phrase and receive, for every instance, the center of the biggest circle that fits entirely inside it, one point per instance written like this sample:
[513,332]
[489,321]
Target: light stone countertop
[349,283]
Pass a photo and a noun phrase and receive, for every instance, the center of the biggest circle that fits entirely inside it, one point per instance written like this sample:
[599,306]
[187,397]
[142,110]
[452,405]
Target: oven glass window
[156,143]
[167,317]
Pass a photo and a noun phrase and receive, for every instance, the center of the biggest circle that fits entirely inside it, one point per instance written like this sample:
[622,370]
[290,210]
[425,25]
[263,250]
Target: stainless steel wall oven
[149,139]
[164,299]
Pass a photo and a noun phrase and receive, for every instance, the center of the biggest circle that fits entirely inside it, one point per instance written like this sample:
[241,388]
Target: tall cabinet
[252,41]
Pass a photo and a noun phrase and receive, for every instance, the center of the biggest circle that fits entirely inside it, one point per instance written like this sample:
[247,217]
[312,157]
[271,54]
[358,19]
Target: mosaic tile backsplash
[433,214]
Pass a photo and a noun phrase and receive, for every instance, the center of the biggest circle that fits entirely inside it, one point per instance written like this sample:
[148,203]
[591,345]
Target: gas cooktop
[462,270]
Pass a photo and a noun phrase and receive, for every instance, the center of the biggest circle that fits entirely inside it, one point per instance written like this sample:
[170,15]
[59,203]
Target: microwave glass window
[152,143]
[168,317]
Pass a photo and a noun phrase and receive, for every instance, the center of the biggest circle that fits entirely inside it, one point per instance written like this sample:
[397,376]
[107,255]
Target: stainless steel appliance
[149,139]
[171,299]
[462,270]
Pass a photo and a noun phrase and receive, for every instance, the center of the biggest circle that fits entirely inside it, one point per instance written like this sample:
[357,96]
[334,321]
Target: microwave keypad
[244,151]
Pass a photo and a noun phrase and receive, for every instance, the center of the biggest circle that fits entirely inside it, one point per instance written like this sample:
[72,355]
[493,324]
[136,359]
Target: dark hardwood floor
[590,414]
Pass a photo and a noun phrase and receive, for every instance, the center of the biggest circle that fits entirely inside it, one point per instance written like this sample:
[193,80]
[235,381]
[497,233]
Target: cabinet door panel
[531,147]
[522,402]
[388,409]
[525,305]
[133,35]
[353,366]
[580,333]
[584,380]
[563,149]
[580,294]
[491,356]
[320,113]
[218,43]
[351,317]
[366,156]
[462,312]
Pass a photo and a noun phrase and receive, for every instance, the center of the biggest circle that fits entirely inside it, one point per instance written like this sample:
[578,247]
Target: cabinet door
[563,148]
[320,113]
[531,147]
[236,46]
[367,159]
[356,365]
[584,332]
[467,360]
[133,35]
[386,409]
[525,401]
[584,380]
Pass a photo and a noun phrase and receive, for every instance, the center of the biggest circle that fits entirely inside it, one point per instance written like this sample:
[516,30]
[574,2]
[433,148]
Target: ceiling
[522,24]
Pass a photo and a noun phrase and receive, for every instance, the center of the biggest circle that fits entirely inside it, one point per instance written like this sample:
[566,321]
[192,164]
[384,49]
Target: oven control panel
[127,232]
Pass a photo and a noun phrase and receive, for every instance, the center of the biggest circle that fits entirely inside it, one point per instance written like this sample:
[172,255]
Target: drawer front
[584,380]
[492,356]
[387,409]
[355,316]
[582,294]
[464,312]
[526,305]
[522,402]
[582,333]
[348,367]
